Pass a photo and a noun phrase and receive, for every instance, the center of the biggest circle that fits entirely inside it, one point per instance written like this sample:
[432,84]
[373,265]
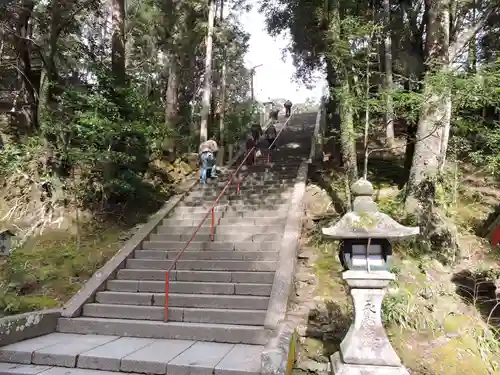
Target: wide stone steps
[197,276]
[190,287]
[111,355]
[223,333]
[202,265]
[222,221]
[207,255]
[184,300]
[255,237]
[211,245]
[176,314]
[220,229]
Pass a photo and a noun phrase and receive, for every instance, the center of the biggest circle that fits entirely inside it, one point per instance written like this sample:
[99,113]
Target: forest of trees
[429,69]
[93,91]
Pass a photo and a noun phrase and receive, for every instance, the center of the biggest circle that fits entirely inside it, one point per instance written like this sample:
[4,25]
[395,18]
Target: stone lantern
[365,252]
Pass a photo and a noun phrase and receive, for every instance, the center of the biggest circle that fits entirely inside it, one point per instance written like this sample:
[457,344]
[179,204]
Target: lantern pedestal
[366,349]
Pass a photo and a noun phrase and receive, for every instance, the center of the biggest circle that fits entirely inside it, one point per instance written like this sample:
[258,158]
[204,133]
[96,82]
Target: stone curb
[277,357]
[279,354]
[73,307]
[26,326]
[283,279]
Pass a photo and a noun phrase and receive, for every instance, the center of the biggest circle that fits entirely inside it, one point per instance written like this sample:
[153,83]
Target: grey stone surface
[171,330]
[65,352]
[153,358]
[109,355]
[22,352]
[25,326]
[213,301]
[16,369]
[275,354]
[283,279]
[340,368]
[75,304]
[199,359]
[241,359]
[224,316]
[366,343]
[78,371]
[101,310]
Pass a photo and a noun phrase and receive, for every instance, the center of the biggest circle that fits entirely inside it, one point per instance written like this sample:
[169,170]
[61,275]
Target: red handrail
[211,211]
[275,139]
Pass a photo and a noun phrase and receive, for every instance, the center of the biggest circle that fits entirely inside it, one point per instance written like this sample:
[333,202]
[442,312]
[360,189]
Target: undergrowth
[50,268]
[438,323]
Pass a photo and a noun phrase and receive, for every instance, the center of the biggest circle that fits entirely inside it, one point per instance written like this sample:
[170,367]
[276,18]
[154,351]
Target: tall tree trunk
[347,134]
[118,42]
[171,106]
[389,110]
[207,86]
[30,84]
[435,113]
[223,79]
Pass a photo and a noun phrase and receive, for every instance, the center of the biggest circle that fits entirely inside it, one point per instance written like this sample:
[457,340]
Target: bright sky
[274,78]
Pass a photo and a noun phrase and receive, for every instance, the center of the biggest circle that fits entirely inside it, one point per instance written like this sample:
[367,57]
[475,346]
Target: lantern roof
[366,221]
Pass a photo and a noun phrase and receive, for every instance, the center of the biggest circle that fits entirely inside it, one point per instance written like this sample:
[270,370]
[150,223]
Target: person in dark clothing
[288,108]
[271,135]
[273,114]
[250,144]
[256,132]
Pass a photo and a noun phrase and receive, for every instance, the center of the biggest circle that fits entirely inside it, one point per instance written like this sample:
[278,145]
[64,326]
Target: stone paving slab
[109,356]
[65,353]
[199,359]
[153,358]
[22,352]
[16,369]
[241,359]
[97,354]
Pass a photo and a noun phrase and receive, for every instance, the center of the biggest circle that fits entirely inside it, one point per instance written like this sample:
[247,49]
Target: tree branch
[457,47]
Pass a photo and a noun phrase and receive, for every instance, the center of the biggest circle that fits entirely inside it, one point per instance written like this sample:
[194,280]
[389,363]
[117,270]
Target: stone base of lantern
[341,368]
[366,349]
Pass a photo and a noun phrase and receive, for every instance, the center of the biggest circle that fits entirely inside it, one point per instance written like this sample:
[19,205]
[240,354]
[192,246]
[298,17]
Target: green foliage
[49,269]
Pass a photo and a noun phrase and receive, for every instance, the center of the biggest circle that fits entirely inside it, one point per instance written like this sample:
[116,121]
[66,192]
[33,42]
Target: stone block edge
[279,354]
[15,328]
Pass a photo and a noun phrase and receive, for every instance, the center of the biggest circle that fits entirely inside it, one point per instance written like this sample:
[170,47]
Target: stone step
[237,212]
[176,314]
[185,222]
[212,245]
[107,355]
[221,333]
[207,255]
[187,287]
[22,369]
[254,199]
[202,265]
[213,301]
[197,276]
[244,191]
[263,205]
[219,229]
[249,183]
[255,237]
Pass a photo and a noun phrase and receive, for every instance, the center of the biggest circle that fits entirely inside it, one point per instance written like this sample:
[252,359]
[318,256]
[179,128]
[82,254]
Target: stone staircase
[219,290]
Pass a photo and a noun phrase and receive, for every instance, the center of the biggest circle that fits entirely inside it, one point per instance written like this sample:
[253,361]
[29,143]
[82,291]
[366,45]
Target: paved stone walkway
[127,354]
